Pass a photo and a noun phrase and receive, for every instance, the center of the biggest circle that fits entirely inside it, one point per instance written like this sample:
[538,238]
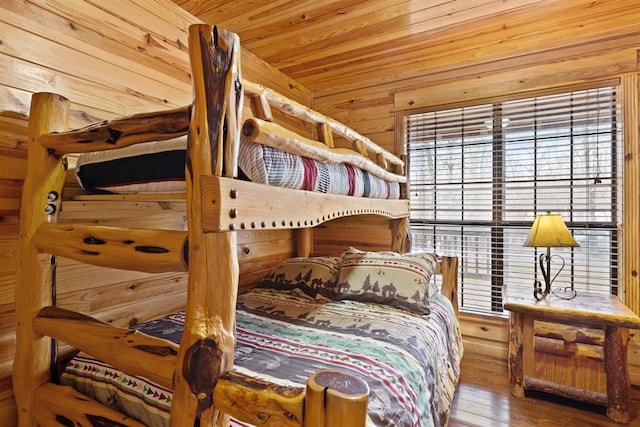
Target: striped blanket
[410,362]
[158,167]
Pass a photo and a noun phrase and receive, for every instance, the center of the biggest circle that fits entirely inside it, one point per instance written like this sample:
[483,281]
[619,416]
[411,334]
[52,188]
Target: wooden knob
[569,335]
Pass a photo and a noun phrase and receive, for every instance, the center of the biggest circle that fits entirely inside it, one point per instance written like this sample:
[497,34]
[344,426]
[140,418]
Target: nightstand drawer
[569,355]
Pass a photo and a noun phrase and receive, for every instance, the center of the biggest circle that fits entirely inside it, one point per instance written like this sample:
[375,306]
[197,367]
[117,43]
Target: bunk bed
[200,360]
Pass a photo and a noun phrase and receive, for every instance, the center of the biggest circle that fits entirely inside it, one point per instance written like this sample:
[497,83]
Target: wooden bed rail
[329,394]
[64,406]
[120,132]
[262,98]
[126,349]
[152,251]
[331,398]
[231,205]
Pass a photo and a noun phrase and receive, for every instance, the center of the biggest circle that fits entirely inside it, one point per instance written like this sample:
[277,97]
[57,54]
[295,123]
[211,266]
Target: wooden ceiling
[338,46]
[326,44]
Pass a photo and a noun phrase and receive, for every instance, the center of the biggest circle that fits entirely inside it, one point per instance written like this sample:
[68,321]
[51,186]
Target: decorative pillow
[313,276]
[401,281]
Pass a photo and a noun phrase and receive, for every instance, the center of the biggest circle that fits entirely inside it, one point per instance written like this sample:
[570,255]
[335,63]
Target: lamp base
[544,259]
[545,270]
[540,293]
[564,293]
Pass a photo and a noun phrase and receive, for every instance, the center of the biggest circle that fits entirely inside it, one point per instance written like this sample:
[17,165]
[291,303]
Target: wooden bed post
[304,242]
[208,342]
[449,271]
[400,235]
[35,271]
[335,399]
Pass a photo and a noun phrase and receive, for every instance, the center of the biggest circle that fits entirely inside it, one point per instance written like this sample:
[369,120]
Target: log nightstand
[572,348]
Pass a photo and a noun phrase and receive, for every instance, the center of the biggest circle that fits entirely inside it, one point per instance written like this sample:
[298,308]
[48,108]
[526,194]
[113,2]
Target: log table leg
[516,377]
[618,383]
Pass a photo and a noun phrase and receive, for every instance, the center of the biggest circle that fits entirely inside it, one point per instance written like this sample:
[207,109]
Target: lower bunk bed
[295,322]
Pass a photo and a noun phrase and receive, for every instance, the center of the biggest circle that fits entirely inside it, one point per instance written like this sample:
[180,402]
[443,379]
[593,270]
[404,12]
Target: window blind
[478,175]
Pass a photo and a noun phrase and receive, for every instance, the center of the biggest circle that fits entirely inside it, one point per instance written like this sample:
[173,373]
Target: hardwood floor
[483,400]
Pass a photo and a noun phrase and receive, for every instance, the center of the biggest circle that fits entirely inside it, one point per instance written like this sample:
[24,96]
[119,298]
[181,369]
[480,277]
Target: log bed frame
[205,390]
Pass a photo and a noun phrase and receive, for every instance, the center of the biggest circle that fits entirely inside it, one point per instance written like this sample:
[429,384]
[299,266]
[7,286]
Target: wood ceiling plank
[438,74]
[443,74]
[212,11]
[489,43]
[371,29]
[279,22]
[338,47]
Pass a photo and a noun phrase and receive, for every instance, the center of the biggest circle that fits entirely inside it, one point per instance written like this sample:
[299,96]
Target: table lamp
[550,231]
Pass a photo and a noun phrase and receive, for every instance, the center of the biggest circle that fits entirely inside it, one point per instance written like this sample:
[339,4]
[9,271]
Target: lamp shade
[550,231]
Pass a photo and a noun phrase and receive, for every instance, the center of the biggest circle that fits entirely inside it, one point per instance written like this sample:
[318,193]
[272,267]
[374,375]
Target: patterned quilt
[158,167]
[410,362]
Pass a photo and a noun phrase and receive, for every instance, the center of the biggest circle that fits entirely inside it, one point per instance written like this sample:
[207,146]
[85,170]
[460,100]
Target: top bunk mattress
[158,167]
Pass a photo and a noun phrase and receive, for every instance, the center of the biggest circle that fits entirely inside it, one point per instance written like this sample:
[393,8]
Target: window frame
[623,102]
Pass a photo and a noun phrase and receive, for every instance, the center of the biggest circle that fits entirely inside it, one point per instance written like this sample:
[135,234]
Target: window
[479,174]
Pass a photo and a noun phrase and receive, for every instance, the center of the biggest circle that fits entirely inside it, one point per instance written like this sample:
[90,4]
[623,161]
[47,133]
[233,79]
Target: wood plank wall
[110,59]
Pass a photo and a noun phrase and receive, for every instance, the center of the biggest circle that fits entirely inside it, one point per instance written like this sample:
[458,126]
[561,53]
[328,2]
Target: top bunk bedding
[158,167]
